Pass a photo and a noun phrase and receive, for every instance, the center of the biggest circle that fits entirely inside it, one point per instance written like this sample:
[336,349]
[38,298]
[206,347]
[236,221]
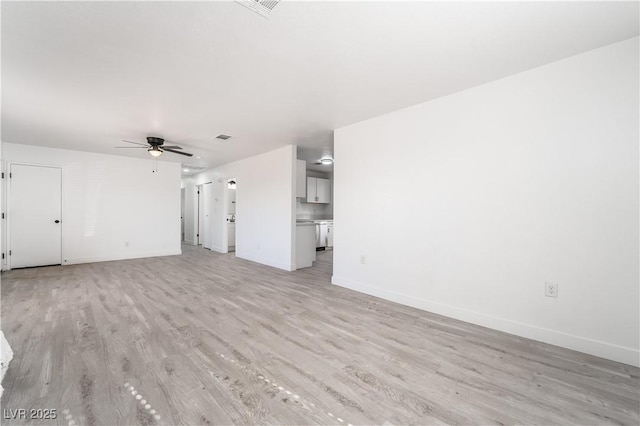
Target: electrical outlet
[363,259]
[551,289]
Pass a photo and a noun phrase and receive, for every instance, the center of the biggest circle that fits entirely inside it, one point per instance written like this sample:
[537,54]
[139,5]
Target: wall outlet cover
[550,289]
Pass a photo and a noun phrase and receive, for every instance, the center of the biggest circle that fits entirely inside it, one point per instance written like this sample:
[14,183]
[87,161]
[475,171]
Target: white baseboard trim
[265,261]
[120,256]
[598,348]
[220,249]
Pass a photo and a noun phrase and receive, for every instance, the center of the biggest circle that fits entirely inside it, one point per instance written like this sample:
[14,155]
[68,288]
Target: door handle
[56,221]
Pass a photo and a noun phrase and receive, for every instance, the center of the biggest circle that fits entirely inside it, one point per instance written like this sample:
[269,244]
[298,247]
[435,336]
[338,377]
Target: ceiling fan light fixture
[155,151]
[326,161]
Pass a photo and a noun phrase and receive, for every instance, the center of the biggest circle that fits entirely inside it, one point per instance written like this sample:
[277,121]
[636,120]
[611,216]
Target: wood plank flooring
[205,339]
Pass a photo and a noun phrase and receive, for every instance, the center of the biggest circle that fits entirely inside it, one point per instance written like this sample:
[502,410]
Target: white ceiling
[84,75]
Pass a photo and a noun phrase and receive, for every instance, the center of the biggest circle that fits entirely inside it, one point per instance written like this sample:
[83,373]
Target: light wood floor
[205,338]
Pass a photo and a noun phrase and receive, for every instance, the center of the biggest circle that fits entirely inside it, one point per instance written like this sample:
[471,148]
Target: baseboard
[266,261]
[219,249]
[598,348]
[121,256]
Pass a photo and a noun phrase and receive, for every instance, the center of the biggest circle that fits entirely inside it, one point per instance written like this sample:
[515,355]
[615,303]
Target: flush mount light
[326,161]
[155,151]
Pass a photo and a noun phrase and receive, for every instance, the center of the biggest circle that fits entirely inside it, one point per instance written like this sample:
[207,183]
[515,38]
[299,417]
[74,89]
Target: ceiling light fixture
[185,170]
[155,151]
[326,161]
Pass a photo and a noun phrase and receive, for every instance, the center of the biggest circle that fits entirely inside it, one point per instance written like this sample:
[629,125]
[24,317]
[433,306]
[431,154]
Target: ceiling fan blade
[134,147]
[137,143]
[177,152]
[170,147]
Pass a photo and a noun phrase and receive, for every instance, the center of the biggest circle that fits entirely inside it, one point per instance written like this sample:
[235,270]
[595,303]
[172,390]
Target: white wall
[110,200]
[467,204]
[265,206]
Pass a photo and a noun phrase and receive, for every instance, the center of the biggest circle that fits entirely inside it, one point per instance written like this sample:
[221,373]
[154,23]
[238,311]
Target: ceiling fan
[155,147]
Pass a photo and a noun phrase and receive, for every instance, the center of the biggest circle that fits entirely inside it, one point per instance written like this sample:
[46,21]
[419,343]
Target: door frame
[183,194]
[227,202]
[7,209]
[197,233]
[207,207]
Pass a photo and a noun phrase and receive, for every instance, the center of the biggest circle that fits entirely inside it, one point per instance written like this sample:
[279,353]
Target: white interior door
[182,199]
[207,200]
[35,216]
[219,222]
[200,232]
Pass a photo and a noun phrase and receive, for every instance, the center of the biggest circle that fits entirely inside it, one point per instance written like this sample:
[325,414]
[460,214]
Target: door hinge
[2,175]
[10,175]
[197,235]
[3,255]
[3,215]
[9,252]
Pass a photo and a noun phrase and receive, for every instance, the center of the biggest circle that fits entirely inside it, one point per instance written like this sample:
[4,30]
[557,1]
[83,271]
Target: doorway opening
[199,215]
[182,200]
[203,229]
[231,214]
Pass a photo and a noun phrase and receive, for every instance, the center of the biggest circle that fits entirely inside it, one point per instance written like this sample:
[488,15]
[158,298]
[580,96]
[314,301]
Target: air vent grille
[261,7]
[223,137]
[193,169]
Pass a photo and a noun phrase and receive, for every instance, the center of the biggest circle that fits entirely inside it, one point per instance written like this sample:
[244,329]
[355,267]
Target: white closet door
[207,199]
[35,216]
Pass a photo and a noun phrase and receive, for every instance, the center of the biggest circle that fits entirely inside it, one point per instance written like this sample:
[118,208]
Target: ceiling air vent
[223,137]
[261,7]
[190,168]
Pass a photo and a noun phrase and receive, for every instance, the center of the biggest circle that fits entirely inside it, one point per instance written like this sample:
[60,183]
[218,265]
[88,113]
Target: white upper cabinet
[301,175]
[318,190]
[323,190]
